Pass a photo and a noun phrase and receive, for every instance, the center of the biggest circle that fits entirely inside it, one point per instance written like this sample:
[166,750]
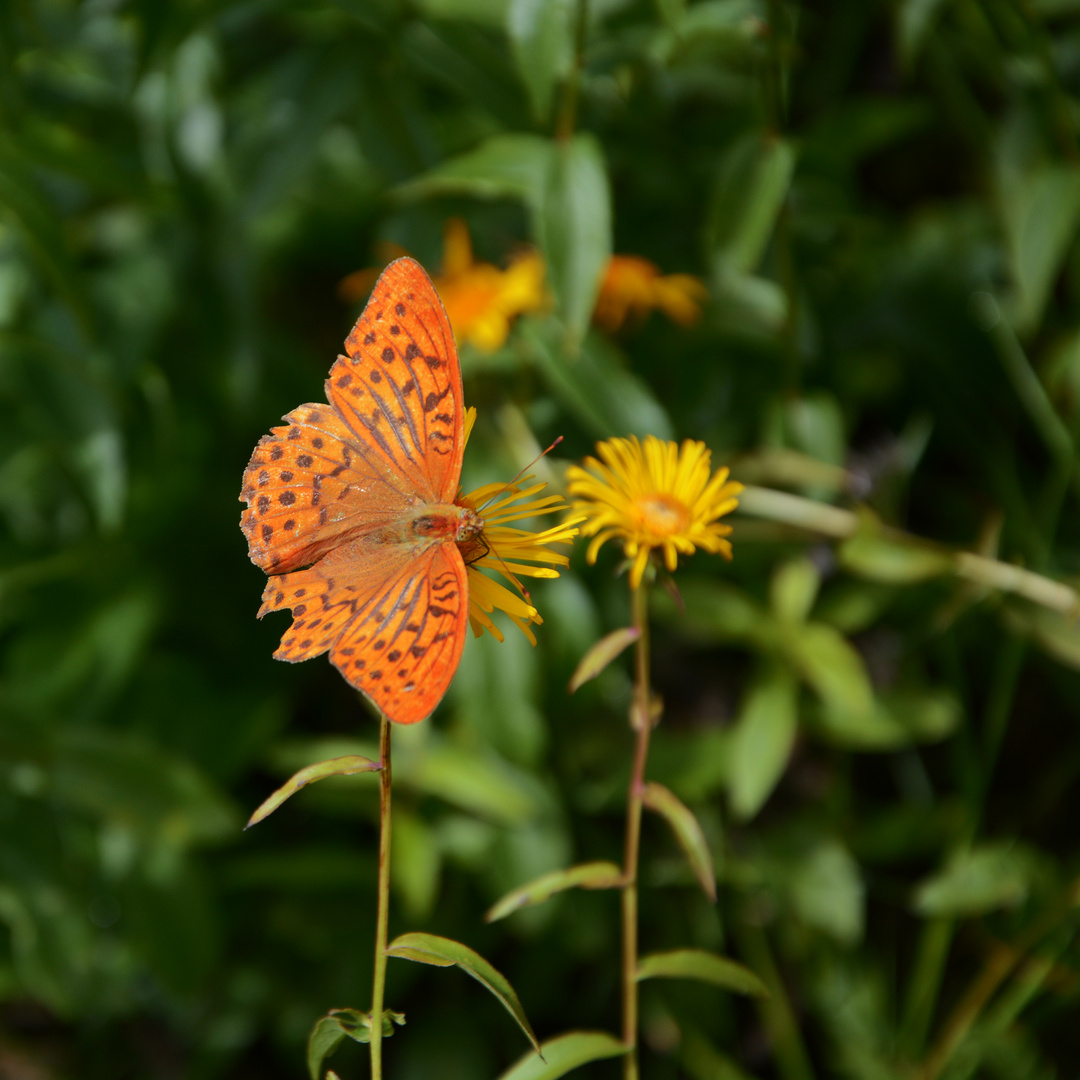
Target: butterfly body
[351,511]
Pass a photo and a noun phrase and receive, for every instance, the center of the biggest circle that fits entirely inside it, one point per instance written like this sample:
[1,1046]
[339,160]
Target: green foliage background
[883,198]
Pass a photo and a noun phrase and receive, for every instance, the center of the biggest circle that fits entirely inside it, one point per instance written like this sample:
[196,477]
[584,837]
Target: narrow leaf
[1040,209]
[601,654]
[597,384]
[977,881]
[793,590]
[750,191]
[442,952]
[827,891]
[575,229]
[342,766]
[504,166]
[564,1054]
[705,966]
[687,832]
[761,740]
[832,666]
[896,560]
[594,875]
[329,1030]
[542,36]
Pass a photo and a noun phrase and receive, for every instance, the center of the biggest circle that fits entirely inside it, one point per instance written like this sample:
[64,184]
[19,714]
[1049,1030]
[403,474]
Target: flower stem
[382,914]
[642,722]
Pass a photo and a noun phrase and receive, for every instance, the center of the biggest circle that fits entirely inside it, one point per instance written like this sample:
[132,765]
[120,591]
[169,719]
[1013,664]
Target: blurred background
[876,202]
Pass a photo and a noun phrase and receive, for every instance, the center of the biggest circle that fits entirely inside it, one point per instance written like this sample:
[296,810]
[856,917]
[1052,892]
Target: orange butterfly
[361,492]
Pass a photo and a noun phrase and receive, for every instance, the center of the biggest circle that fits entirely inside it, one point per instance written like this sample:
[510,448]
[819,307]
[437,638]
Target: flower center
[660,514]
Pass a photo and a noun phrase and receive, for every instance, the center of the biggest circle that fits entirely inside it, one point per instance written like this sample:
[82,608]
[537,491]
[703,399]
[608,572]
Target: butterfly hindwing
[404,650]
[393,619]
[399,387]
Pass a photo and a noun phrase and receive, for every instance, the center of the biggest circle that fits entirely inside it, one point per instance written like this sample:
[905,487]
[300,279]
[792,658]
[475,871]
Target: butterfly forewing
[394,621]
[399,387]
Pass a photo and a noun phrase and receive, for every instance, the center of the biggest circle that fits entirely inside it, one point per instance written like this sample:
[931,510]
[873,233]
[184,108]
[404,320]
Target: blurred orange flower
[481,300]
[633,286]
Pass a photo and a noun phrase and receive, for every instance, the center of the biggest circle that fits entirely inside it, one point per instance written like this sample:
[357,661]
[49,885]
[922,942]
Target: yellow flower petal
[653,496]
[510,551]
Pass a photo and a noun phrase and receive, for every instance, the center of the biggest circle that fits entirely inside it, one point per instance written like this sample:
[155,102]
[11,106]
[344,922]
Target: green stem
[925,983]
[777,1013]
[567,119]
[382,916]
[641,720]
[831,521]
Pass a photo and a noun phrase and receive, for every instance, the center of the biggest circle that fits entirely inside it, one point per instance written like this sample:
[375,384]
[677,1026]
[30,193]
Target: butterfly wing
[392,434]
[311,485]
[393,619]
[399,387]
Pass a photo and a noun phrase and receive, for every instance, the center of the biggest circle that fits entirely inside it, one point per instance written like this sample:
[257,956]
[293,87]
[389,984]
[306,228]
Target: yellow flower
[502,548]
[481,300]
[633,286]
[653,495]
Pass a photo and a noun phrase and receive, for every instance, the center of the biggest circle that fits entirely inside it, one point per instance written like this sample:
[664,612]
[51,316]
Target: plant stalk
[641,720]
[568,108]
[382,916]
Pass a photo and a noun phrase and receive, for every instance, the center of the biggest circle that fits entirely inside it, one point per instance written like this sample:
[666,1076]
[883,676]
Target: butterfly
[350,506]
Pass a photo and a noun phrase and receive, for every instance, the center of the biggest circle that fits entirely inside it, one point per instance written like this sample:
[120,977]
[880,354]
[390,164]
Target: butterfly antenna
[511,483]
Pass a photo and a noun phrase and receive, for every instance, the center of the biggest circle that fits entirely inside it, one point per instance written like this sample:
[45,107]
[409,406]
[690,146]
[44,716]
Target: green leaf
[687,831]
[1057,635]
[747,304]
[601,654]
[139,788]
[900,718]
[564,1054]
[914,19]
[596,385]
[329,1030]
[427,762]
[442,952]
[1040,208]
[504,166]
[542,36]
[893,559]
[575,231]
[483,12]
[750,190]
[342,766]
[814,424]
[719,612]
[704,966]
[827,891]
[793,590]
[976,881]
[826,660]
[481,783]
[761,741]
[594,875]
[414,871]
